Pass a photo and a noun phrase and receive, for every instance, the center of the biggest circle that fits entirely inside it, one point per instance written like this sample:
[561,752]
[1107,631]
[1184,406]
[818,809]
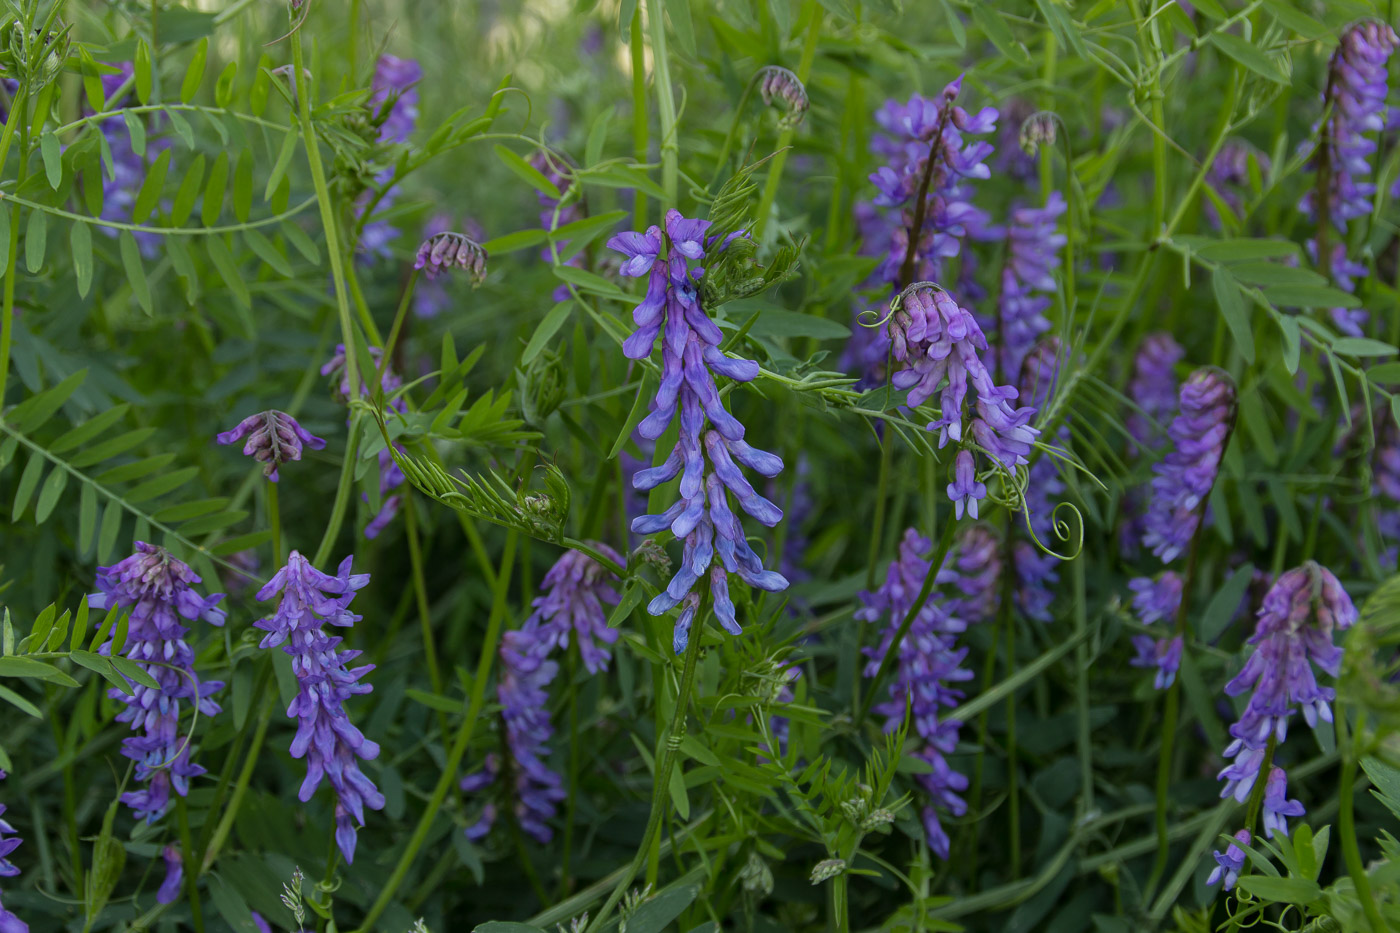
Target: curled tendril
[305,8]
[897,302]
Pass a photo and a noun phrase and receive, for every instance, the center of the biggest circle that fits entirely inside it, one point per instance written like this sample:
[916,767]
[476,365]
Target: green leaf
[28,482]
[36,240]
[37,409]
[545,332]
[79,624]
[598,136]
[30,669]
[80,245]
[303,243]
[284,161]
[775,322]
[505,926]
[103,667]
[137,469]
[137,130]
[526,171]
[143,71]
[160,485]
[188,193]
[1363,346]
[49,495]
[232,907]
[657,914]
[107,534]
[52,153]
[433,701]
[135,272]
[1233,309]
[20,702]
[1290,17]
[223,261]
[1282,890]
[1292,342]
[262,247]
[1310,296]
[214,191]
[241,543]
[679,13]
[590,282]
[194,74]
[223,88]
[110,447]
[87,517]
[151,187]
[1249,56]
[1224,604]
[995,28]
[243,186]
[955,25]
[512,242]
[1242,249]
[133,672]
[645,394]
[1274,273]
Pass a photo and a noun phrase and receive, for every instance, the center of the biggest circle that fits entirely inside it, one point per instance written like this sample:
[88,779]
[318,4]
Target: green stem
[448,776]
[329,225]
[662,778]
[216,841]
[1346,825]
[187,853]
[420,590]
[399,316]
[775,173]
[641,140]
[7,315]
[665,101]
[274,522]
[342,492]
[1081,691]
[733,130]
[1013,790]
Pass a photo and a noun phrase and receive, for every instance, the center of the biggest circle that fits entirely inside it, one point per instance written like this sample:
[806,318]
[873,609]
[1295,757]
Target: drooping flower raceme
[1185,476]
[1355,92]
[526,672]
[325,736]
[923,149]
[1158,601]
[1299,615]
[1027,280]
[776,83]
[939,348]
[707,461]
[926,669]
[159,592]
[273,438]
[576,589]
[9,923]
[441,252]
[1153,386]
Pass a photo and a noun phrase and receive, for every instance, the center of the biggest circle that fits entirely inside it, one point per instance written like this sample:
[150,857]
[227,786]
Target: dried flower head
[273,438]
[442,251]
[1037,130]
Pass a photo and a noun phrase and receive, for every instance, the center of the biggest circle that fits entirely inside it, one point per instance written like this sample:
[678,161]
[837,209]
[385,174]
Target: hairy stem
[665,101]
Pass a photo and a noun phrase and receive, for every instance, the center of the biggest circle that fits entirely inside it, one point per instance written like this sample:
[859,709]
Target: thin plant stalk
[665,101]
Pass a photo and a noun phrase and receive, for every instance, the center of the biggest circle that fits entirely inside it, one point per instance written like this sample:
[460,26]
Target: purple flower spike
[1299,614]
[1027,279]
[938,346]
[1164,654]
[1185,476]
[576,589]
[174,875]
[1156,600]
[442,252]
[159,591]
[335,368]
[777,83]
[325,737]
[1356,89]
[707,461]
[1153,386]
[394,91]
[273,438]
[930,662]
[1229,865]
[537,790]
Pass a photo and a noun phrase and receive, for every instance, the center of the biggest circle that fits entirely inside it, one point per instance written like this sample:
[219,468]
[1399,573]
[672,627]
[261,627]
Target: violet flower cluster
[707,461]
[939,347]
[443,252]
[1299,615]
[1199,434]
[1345,272]
[1356,90]
[9,923]
[776,83]
[325,736]
[526,673]
[394,95]
[272,438]
[159,592]
[1229,864]
[929,662]
[1153,390]
[576,589]
[1027,279]
[924,150]
[1158,601]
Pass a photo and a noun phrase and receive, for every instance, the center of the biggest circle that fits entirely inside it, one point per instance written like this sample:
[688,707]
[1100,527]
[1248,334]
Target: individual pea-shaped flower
[272,438]
[174,875]
[778,83]
[9,923]
[576,589]
[441,252]
[964,490]
[1277,806]
[1229,865]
